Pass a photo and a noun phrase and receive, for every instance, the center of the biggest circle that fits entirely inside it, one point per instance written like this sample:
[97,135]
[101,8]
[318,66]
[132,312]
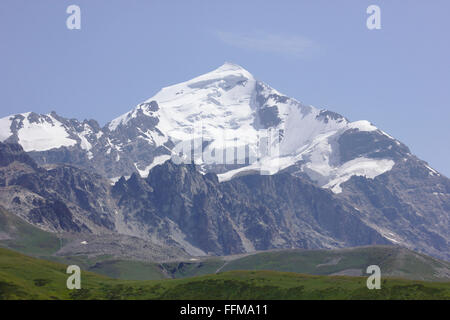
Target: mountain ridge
[240,134]
[225,108]
[180,207]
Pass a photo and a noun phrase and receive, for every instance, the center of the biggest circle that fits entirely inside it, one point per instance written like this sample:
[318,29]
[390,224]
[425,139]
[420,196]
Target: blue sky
[319,52]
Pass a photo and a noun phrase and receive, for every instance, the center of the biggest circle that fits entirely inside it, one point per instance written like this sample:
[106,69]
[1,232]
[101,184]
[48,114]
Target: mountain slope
[409,205]
[231,124]
[393,262]
[178,206]
[23,237]
[68,201]
[22,277]
[248,213]
[55,198]
[226,110]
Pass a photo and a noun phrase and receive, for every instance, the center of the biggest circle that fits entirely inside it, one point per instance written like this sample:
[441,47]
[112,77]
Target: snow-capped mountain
[337,182]
[223,116]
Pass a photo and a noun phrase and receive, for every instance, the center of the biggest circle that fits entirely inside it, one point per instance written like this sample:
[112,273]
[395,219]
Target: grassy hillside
[128,270]
[19,235]
[193,268]
[115,268]
[23,277]
[23,237]
[393,261]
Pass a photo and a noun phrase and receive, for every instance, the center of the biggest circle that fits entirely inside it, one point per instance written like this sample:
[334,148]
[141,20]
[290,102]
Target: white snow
[156,161]
[43,135]
[123,119]
[119,120]
[391,239]
[213,105]
[266,166]
[386,233]
[362,125]
[431,172]
[219,107]
[387,135]
[5,128]
[154,138]
[217,101]
[84,144]
[114,180]
[369,168]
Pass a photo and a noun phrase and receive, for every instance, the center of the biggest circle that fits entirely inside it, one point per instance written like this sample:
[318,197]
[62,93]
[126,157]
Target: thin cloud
[292,45]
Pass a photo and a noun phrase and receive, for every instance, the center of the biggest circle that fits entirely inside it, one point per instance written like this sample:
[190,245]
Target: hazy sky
[319,52]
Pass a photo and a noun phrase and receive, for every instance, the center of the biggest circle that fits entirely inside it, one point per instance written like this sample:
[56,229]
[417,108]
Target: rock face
[178,206]
[409,205]
[14,152]
[57,198]
[248,213]
[329,183]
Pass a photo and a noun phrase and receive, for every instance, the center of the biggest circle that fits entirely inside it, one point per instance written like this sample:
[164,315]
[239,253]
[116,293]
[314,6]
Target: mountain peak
[227,73]
[230,66]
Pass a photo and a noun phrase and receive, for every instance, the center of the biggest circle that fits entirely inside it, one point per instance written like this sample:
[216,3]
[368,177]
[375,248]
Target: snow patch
[391,239]
[114,180]
[156,161]
[5,128]
[43,135]
[389,136]
[84,144]
[431,172]
[369,168]
[362,125]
